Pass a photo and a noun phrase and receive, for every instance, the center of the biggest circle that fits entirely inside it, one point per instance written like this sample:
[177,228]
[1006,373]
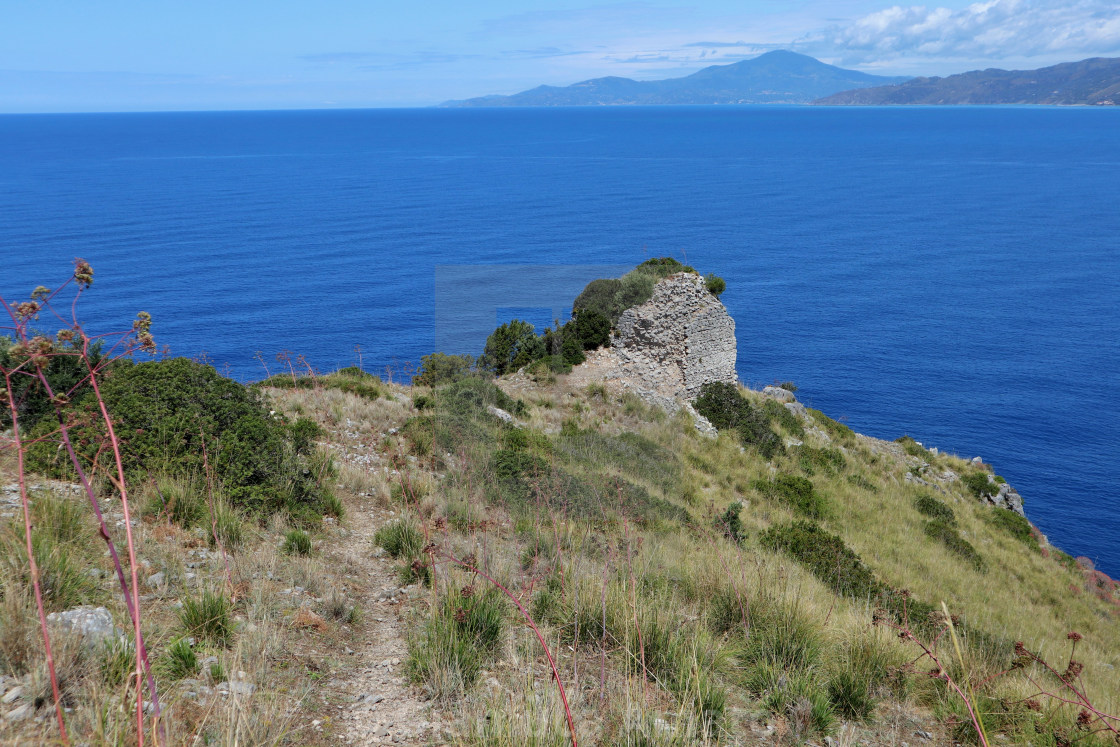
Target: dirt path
[375,701]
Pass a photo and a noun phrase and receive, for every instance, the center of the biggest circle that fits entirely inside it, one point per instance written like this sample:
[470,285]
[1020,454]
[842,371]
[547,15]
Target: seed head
[27,310]
[1074,636]
[1073,671]
[83,273]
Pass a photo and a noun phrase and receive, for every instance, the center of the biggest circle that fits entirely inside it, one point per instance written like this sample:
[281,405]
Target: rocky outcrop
[679,340]
[666,349]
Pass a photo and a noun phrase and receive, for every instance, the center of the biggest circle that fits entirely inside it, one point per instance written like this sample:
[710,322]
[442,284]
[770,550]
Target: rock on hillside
[667,348]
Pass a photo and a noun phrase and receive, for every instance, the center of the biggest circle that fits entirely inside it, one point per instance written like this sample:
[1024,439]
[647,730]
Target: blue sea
[948,273]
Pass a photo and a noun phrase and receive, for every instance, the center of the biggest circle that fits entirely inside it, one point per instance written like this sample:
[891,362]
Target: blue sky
[128,55]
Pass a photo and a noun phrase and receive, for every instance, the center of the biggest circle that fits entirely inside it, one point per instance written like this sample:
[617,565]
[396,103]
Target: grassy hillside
[520,561]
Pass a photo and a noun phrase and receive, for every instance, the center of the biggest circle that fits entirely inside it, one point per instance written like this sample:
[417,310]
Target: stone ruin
[666,349]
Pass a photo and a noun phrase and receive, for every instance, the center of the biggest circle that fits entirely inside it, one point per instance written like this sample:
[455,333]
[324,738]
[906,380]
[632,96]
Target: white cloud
[994,29]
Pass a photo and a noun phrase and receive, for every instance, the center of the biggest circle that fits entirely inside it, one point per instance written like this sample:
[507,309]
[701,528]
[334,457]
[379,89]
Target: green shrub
[599,296]
[797,492]
[297,542]
[930,506]
[1012,523]
[438,369]
[166,412]
[947,534]
[826,556]
[978,484]
[303,432]
[65,372]
[417,571]
[730,523]
[723,406]
[863,483]
[592,328]
[351,380]
[780,414]
[511,346]
[209,617]
[715,284]
[914,449]
[610,297]
[826,460]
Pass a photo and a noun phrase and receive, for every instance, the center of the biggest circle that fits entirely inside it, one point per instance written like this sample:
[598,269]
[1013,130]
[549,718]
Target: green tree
[441,368]
[512,346]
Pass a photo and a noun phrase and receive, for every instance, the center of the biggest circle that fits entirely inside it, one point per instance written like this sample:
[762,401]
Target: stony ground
[373,700]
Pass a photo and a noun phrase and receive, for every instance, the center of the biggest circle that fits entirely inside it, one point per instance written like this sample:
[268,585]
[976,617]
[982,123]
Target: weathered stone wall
[667,348]
[679,340]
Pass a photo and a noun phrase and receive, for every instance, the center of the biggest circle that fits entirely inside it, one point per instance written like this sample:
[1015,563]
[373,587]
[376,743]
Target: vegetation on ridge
[596,565]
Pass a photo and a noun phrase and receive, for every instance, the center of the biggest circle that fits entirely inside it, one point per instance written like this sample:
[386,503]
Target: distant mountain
[1095,81]
[778,77]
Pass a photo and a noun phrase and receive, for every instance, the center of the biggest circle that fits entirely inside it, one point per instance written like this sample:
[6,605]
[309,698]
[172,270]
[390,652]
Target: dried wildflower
[83,273]
[143,322]
[40,292]
[27,310]
[65,335]
[470,559]
[1073,671]
[1034,705]
[1084,719]
[467,591]
[460,615]
[880,617]
[60,400]
[1074,636]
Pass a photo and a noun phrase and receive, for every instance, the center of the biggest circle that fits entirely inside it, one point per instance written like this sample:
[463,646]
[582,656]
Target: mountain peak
[776,77]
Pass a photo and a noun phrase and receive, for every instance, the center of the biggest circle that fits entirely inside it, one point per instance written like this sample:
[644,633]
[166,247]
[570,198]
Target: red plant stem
[103,530]
[529,619]
[1082,699]
[210,502]
[949,680]
[120,483]
[1104,717]
[32,565]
